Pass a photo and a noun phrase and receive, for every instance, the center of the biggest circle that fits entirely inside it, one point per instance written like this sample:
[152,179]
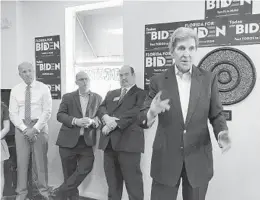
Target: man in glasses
[77,135]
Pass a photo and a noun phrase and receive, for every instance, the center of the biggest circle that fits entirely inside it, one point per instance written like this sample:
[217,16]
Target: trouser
[123,166]
[77,163]
[39,151]
[164,192]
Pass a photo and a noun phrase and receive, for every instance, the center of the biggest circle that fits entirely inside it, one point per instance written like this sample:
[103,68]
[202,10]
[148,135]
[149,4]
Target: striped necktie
[123,93]
[27,105]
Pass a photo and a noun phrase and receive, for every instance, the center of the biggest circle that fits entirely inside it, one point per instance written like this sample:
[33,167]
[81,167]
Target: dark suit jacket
[178,142]
[70,107]
[128,136]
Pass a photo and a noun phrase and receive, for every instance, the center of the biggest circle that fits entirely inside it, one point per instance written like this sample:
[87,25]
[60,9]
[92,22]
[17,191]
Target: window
[94,43]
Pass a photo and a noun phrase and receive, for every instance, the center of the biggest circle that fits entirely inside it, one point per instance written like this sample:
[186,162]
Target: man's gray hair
[180,34]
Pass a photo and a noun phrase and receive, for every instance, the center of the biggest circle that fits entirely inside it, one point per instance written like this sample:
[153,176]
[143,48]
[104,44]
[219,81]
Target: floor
[11,177]
[13,198]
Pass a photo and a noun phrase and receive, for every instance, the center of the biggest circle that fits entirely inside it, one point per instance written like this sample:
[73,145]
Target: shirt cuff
[36,126]
[73,121]
[150,119]
[38,130]
[22,127]
[221,133]
[102,121]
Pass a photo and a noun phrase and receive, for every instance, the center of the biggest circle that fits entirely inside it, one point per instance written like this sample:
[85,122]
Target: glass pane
[102,78]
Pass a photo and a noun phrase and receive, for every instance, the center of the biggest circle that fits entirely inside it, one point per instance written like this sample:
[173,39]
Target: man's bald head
[83,81]
[81,74]
[26,72]
[128,67]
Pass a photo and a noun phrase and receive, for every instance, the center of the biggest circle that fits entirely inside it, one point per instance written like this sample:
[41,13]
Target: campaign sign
[48,63]
[220,8]
[244,30]
[54,86]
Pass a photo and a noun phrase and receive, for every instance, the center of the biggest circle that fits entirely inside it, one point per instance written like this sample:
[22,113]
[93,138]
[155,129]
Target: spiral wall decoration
[235,72]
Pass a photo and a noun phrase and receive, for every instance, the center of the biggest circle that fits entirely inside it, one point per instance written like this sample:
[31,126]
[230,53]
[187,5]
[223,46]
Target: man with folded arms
[122,139]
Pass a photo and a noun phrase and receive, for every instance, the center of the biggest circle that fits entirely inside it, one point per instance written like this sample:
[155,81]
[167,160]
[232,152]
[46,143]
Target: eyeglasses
[83,79]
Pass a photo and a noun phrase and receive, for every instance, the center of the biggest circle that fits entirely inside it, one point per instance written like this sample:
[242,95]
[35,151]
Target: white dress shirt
[41,105]
[184,82]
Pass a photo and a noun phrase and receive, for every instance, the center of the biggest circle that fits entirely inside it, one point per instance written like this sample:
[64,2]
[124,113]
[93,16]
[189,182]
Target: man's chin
[186,66]
[28,82]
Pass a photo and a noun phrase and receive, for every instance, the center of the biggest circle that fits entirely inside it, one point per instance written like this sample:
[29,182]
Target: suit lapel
[129,93]
[194,92]
[77,100]
[172,87]
[115,94]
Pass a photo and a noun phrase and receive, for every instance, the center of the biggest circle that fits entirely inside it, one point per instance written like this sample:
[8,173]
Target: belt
[31,123]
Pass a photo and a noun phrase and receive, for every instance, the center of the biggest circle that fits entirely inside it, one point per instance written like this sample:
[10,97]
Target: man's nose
[186,53]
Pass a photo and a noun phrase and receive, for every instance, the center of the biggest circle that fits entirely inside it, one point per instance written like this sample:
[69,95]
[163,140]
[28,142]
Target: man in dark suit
[77,135]
[122,139]
[183,97]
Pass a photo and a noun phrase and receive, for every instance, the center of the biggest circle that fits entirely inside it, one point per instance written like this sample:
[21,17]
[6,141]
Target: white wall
[9,46]
[237,172]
